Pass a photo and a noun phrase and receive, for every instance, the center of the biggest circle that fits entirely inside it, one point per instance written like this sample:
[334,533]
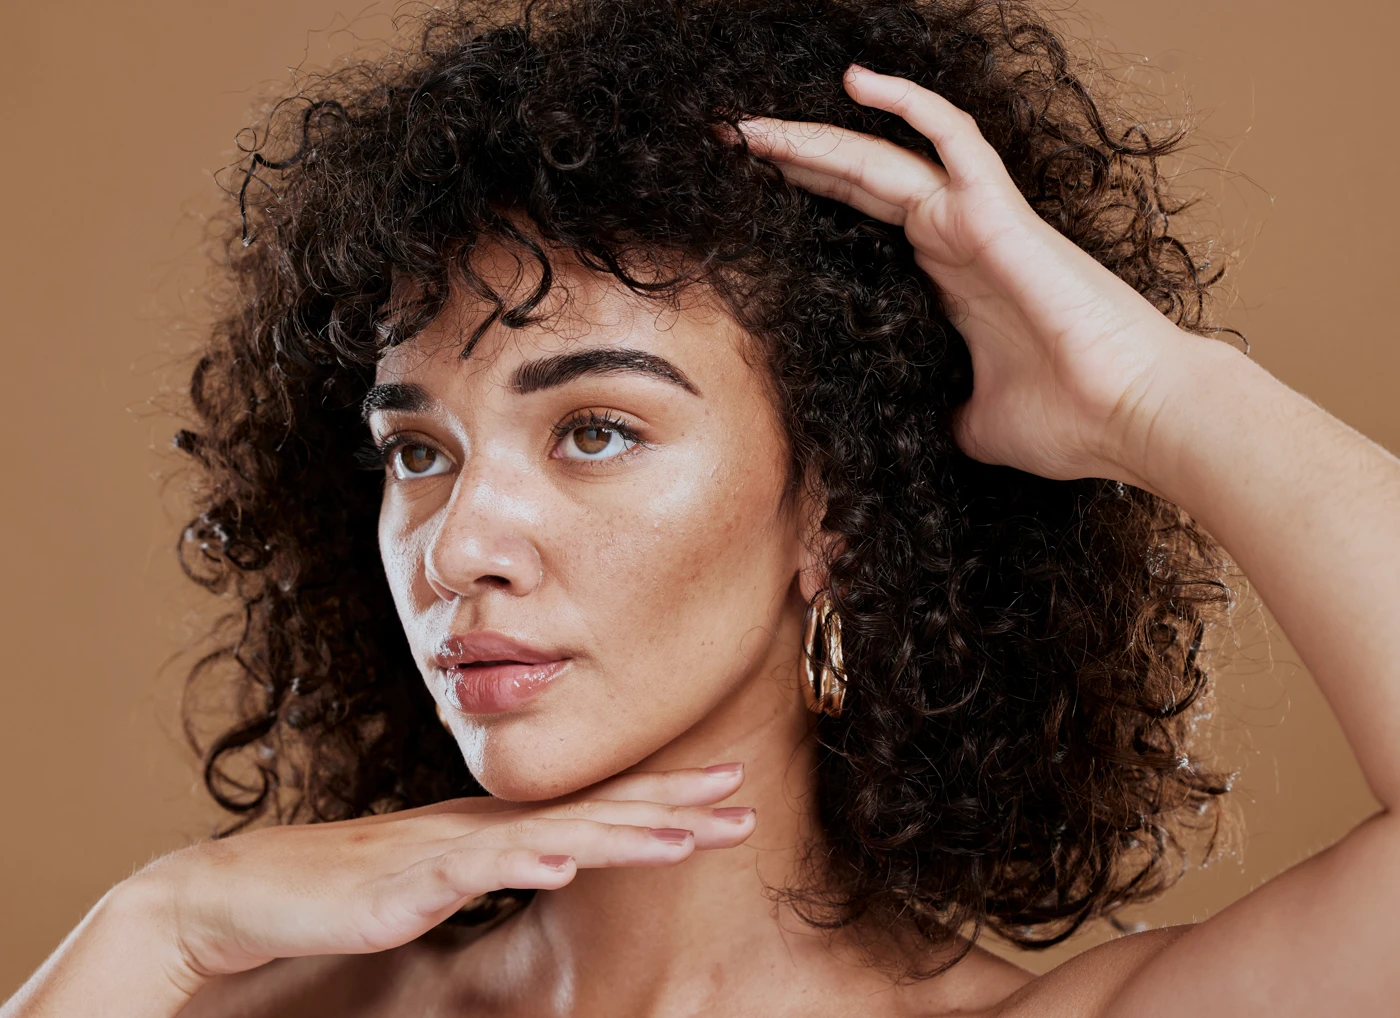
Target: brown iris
[592,440]
[417,459]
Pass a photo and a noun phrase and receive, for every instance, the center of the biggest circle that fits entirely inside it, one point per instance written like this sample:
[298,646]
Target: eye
[596,440]
[414,459]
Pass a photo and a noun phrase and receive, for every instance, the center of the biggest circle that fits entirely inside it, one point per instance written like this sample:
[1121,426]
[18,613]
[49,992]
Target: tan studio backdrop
[115,116]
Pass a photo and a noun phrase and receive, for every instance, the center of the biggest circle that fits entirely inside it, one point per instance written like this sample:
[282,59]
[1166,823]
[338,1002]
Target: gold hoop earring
[823,664]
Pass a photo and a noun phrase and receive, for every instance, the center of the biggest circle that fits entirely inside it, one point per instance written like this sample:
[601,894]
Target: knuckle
[443,870]
[456,873]
[660,789]
[583,809]
[579,829]
[535,830]
[510,861]
[387,917]
[524,828]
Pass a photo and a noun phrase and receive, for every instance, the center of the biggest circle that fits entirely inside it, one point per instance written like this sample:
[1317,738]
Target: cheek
[680,570]
[402,547]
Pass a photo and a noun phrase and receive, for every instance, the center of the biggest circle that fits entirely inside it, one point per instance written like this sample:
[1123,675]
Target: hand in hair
[1063,350]
[1077,375]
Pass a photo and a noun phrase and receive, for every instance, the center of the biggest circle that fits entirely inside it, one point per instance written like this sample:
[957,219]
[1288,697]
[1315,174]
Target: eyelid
[595,419]
[391,443]
[397,438]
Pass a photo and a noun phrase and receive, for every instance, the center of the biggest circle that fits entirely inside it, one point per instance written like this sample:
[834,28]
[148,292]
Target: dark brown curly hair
[1022,653]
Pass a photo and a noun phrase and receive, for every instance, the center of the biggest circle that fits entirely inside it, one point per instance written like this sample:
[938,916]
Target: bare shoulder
[406,980]
[1086,985]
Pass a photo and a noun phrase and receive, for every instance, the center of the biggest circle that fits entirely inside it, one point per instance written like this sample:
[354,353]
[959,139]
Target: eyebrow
[546,373]
[549,372]
[409,398]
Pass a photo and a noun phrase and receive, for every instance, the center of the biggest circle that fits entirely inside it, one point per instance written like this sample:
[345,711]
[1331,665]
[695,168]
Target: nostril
[464,560]
[440,589]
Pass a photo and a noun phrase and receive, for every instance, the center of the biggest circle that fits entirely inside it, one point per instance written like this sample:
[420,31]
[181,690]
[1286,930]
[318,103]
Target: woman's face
[585,530]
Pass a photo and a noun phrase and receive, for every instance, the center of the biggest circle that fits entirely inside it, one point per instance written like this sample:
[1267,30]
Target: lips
[489,673]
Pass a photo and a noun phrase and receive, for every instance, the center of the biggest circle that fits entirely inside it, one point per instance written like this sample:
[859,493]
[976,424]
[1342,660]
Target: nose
[483,543]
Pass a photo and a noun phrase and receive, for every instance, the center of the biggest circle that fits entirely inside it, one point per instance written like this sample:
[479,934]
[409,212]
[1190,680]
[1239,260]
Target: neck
[648,941]
[714,934]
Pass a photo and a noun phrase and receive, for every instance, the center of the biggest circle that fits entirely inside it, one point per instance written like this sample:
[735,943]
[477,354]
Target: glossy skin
[496,519]
[623,568]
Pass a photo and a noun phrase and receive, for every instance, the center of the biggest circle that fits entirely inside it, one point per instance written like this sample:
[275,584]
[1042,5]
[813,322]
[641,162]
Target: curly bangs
[1022,653]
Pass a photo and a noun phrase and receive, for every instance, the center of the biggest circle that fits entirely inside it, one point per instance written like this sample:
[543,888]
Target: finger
[964,152]
[468,805]
[844,191]
[592,845]
[884,171]
[462,873]
[427,892]
[724,827]
[691,786]
[539,852]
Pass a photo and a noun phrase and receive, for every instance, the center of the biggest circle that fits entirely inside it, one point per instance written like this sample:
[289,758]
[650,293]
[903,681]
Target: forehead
[582,309]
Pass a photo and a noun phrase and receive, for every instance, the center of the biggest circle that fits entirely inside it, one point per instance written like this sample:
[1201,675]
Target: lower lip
[495,689]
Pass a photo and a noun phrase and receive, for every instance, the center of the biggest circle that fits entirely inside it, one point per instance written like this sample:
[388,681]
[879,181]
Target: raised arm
[1076,375]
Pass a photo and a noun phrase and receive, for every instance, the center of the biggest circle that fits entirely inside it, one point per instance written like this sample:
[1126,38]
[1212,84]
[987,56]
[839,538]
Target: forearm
[1310,511]
[115,963]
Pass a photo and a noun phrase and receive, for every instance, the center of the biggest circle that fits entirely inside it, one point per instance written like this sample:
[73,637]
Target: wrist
[120,960]
[1178,414]
[141,911]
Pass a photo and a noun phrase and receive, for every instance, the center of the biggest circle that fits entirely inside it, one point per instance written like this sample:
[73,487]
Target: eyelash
[377,455]
[373,455]
[593,419]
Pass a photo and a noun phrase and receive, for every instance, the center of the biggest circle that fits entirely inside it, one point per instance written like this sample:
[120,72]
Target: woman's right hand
[366,885]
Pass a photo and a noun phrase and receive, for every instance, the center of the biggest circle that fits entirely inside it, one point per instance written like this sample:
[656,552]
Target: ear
[818,545]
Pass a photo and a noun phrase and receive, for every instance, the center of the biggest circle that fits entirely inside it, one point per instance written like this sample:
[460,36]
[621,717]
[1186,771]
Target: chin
[532,756]
[557,747]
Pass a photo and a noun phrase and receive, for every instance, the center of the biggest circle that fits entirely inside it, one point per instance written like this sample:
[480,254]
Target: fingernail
[556,862]
[733,814]
[724,770]
[669,835]
[859,69]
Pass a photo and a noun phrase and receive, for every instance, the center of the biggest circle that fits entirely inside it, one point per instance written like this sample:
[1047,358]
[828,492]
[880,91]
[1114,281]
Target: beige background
[115,115]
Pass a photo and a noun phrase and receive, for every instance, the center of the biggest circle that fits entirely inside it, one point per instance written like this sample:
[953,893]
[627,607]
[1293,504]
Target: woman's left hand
[1064,353]
[1075,374]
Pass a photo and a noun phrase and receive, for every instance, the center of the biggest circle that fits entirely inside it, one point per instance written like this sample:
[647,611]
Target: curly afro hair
[1022,653]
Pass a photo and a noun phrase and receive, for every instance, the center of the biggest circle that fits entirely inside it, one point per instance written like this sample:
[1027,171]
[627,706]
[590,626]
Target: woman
[776,475]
